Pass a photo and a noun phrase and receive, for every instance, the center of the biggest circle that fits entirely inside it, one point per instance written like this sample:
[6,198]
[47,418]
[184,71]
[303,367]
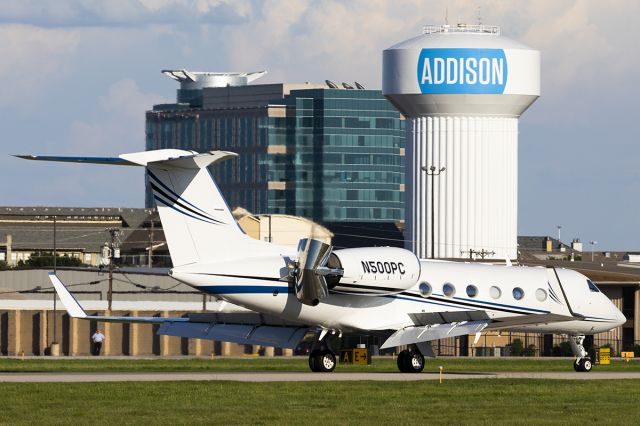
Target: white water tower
[462,89]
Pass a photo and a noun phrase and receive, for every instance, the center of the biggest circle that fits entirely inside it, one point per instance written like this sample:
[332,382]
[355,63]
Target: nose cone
[619,316]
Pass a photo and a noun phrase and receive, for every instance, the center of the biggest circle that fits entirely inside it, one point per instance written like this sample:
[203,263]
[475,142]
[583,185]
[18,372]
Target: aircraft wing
[430,326]
[502,323]
[248,329]
[427,333]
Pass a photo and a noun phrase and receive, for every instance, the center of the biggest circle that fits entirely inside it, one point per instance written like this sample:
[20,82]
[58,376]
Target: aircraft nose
[620,318]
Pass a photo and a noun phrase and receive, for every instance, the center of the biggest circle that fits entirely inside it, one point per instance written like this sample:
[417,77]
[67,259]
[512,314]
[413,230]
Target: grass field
[294,364]
[453,402]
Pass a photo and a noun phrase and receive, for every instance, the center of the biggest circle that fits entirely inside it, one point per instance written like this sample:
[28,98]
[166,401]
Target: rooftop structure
[192,82]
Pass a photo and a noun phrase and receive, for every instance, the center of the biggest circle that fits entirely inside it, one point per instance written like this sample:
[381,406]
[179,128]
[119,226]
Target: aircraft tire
[415,362]
[403,365]
[325,361]
[586,365]
[313,358]
[576,366]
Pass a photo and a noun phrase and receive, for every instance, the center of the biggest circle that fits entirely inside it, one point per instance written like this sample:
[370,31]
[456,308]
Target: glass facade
[331,155]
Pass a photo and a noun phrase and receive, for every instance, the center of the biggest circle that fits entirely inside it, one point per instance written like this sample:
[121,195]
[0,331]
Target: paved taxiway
[296,377]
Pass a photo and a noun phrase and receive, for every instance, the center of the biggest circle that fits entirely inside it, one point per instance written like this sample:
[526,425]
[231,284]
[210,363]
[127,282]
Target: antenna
[446,15]
[479,16]
[331,84]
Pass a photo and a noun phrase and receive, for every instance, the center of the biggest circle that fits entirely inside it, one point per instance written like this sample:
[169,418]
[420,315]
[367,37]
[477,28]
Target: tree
[563,349]
[516,348]
[530,350]
[41,259]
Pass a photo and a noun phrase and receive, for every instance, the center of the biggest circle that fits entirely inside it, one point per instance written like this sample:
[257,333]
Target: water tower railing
[461,28]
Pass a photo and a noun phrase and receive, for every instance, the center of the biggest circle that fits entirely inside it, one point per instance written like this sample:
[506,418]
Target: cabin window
[448,289]
[541,295]
[593,287]
[472,291]
[518,293]
[425,289]
[495,292]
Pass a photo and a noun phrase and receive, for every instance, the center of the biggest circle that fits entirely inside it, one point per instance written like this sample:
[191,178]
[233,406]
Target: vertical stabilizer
[197,221]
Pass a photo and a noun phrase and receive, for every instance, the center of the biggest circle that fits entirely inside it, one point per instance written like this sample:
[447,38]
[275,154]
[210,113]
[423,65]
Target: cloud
[316,40]
[86,70]
[32,59]
[118,126]
[96,13]
[115,126]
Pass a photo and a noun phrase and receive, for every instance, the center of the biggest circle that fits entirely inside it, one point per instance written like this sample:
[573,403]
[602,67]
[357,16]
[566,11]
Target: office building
[326,152]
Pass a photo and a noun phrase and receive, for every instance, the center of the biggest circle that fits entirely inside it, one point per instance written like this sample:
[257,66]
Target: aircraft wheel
[415,362]
[585,365]
[325,361]
[403,365]
[576,366]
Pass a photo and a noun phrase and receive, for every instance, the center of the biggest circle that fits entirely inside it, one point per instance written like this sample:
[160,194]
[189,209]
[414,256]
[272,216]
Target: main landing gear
[410,361]
[583,361]
[322,358]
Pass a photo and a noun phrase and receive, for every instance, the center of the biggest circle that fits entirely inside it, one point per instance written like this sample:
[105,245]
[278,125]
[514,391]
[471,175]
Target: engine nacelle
[374,270]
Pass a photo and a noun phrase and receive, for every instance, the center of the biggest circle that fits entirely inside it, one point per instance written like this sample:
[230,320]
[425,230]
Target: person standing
[97,339]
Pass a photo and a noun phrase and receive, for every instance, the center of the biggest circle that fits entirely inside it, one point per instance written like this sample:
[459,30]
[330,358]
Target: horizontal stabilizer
[110,161]
[174,158]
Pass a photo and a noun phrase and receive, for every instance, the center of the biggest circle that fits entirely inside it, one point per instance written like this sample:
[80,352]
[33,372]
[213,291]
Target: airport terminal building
[326,152]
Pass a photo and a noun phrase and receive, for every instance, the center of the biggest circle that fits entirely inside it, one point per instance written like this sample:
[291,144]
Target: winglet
[70,303]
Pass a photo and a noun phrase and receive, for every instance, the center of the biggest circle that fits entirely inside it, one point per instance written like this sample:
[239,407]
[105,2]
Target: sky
[78,76]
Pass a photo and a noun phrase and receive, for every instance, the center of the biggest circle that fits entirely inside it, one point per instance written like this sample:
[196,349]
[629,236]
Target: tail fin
[196,219]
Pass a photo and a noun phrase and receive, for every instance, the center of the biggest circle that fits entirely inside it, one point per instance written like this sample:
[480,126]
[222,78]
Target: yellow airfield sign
[358,356]
[605,356]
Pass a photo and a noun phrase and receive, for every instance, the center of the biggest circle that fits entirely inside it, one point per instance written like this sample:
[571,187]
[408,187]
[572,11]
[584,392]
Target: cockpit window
[593,287]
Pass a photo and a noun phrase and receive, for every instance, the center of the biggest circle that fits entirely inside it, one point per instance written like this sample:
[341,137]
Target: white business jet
[313,289]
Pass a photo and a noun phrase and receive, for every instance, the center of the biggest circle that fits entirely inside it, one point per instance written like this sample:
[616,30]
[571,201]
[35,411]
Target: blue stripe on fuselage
[242,289]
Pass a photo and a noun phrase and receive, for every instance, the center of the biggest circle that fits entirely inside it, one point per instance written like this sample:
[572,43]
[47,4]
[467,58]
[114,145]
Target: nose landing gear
[583,361]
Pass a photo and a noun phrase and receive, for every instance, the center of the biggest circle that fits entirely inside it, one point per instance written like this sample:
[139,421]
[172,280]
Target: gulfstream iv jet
[314,291]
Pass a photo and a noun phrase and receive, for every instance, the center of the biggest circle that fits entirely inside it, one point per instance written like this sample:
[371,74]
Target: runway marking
[299,376]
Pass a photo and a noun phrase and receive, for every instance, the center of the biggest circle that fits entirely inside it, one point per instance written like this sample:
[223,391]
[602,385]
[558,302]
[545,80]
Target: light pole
[114,252]
[55,271]
[431,171]
[593,243]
